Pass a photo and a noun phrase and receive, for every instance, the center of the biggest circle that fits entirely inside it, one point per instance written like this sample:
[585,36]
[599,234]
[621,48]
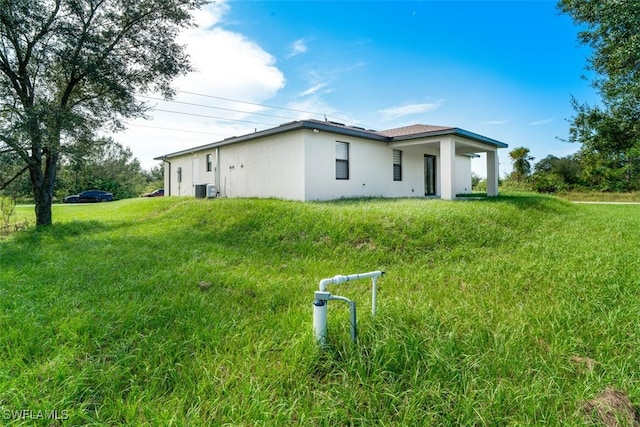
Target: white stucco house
[320,160]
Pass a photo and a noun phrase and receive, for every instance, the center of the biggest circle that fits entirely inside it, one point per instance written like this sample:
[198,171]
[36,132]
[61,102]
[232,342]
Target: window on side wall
[342,160]
[209,164]
[397,165]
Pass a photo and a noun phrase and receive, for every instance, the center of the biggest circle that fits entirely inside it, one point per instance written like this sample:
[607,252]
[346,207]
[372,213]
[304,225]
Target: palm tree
[521,163]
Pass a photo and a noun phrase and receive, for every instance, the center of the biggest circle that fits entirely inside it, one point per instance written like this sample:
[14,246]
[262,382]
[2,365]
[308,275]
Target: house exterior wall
[412,184]
[193,171]
[370,167]
[463,175]
[266,167]
[301,165]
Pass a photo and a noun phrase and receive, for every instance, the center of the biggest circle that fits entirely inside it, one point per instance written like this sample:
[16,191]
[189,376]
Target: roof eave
[347,131]
[481,138]
[335,129]
[286,127]
[454,131]
[235,139]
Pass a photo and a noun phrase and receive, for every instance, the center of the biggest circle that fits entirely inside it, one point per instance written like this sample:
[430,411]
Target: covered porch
[448,144]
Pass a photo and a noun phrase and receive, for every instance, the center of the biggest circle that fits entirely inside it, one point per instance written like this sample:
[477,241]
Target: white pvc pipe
[322,298]
[320,321]
[352,312]
[374,294]
[338,279]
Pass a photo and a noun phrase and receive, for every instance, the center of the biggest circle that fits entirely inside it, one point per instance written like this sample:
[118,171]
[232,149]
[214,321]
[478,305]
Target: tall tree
[521,163]
[612,29]
[610,131]
[71,67]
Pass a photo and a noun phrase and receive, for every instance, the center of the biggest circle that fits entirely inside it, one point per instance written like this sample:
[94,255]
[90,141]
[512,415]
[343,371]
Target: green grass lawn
[506,311]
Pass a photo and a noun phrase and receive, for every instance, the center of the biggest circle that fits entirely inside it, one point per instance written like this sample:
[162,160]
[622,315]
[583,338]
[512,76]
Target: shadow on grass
[527,201]
[64,231]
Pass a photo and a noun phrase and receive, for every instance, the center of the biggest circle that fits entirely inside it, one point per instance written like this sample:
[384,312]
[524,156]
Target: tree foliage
[521,163]
[102,164]
[610,132]
[71,67]
[555,174]
[107,166]
[611,29]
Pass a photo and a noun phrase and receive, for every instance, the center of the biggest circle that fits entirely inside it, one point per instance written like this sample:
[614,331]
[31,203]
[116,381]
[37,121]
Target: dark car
[157,193]
[90,196]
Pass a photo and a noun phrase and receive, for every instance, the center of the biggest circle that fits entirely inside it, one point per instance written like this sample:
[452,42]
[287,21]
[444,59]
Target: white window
[209,164]
[397,165]
[342,160]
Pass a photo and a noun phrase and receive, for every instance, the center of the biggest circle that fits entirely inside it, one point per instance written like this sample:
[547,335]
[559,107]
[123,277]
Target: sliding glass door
[429,175]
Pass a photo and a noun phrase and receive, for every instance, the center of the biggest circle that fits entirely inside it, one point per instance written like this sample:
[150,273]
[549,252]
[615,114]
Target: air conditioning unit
[201,191]
[212,191]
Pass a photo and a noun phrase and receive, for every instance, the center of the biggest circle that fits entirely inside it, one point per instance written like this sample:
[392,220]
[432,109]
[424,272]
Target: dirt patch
[204,286]
[583,364]
[612,408]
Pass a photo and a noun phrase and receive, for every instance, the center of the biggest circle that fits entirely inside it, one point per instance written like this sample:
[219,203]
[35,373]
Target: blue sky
[503,69]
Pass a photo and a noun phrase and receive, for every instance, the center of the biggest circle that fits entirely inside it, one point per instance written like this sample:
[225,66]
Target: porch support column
[447,169]
[492,173]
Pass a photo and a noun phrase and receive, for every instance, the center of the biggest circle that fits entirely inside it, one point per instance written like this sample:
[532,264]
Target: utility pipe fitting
[322,297]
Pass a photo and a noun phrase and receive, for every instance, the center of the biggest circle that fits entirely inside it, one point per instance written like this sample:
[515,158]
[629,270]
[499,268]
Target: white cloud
[228,65]
[496,122]
[312,90]
[210,15]
[409,109]
[296,48]
[314,107]
[540,122]
[309,105]
[321,77]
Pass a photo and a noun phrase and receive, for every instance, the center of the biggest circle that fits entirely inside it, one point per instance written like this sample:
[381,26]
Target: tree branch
[6,184]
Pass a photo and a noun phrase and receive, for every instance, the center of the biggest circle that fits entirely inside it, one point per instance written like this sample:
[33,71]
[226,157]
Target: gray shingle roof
[412,130]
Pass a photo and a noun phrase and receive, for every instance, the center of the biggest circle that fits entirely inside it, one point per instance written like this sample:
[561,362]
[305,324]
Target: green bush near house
[512,310]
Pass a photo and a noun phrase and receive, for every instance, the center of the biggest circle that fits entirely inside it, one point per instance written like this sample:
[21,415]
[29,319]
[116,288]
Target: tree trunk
[43,208]
[43,185]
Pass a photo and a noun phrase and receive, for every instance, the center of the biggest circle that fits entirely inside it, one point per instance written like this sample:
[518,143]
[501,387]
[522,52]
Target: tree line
[103,164]
[608,133]
[580,171]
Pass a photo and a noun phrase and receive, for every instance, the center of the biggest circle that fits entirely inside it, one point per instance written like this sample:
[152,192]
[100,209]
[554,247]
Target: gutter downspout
[164,159]
[217,172]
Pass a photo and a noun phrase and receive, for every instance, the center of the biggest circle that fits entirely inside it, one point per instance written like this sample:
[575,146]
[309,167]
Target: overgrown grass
[506,311]
[600,196]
